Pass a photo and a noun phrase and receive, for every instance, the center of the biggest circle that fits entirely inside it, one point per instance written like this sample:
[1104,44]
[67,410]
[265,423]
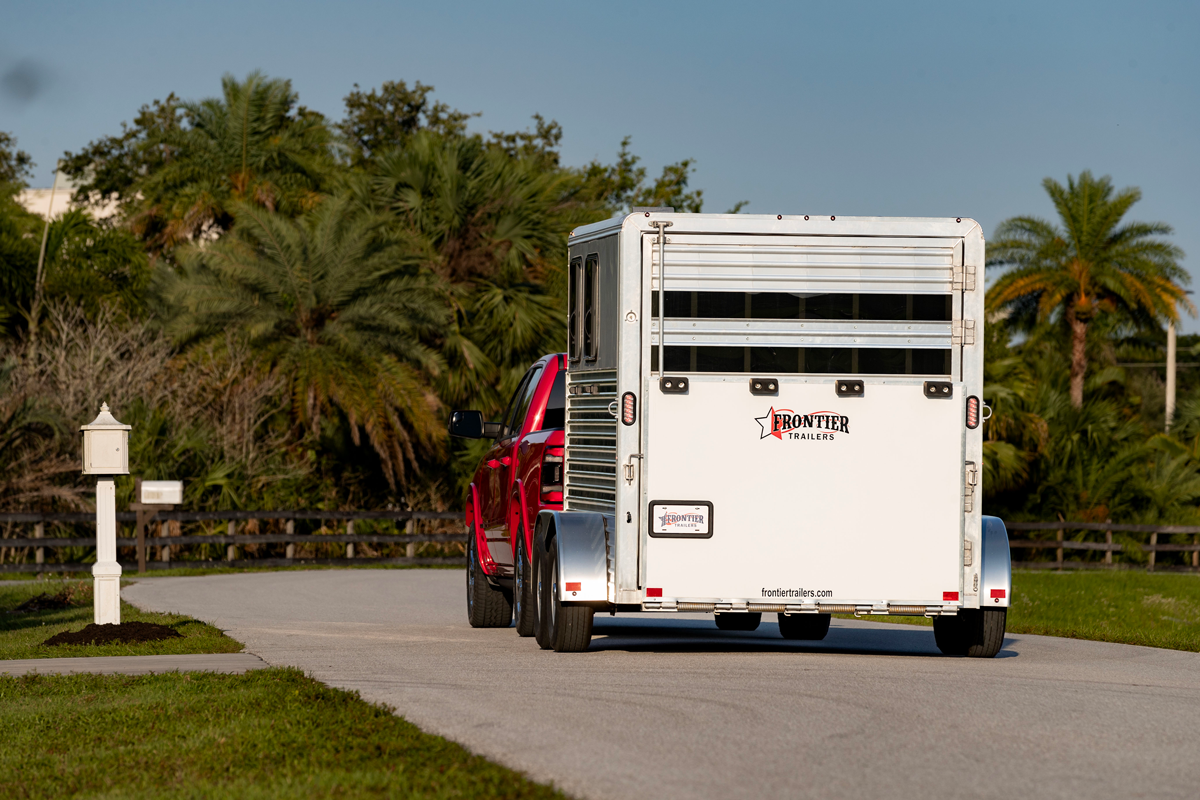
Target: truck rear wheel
[523,594]
[568,629]
[974,632]
[807,627]
[739,622]
[487,606]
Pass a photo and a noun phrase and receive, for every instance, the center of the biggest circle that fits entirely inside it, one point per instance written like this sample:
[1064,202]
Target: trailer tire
[568,628]
[523,594]
[974,632]
[487,606]
[739,622]
[804,627]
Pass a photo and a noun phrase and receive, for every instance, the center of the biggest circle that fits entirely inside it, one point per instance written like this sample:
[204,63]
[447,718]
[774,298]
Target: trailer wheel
[568,628]
[487,605]
[523,594]
[739,622]
[974,632]
[809,627]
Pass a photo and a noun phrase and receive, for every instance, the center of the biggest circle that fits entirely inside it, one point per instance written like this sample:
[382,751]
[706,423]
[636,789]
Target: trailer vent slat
[591,462]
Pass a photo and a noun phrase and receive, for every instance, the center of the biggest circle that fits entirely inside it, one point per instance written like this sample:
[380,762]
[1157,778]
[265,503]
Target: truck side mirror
[466,424]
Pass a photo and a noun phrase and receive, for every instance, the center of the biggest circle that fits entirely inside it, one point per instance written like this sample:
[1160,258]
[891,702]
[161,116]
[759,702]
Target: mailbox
[105,445]
[162,493]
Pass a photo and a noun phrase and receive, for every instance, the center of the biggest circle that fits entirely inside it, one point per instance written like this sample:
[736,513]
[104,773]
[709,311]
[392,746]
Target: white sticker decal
[681,519]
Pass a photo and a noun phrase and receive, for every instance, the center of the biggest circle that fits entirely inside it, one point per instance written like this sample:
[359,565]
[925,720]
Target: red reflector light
[998,593]
[972,412]
[949,596]
[628,408]
[654,593]
[573,587]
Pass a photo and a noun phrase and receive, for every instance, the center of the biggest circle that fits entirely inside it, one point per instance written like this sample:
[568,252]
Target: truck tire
[974,632]
[523,594]
[804,627]
[568,628]
[739,622]
[487,606]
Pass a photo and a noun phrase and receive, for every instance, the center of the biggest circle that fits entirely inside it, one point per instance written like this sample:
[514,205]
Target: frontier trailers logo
[783,423]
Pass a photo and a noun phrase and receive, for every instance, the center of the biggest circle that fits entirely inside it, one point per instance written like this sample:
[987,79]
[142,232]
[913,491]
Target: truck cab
[519,477]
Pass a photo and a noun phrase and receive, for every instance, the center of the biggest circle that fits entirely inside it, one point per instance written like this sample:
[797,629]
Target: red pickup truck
[521,475]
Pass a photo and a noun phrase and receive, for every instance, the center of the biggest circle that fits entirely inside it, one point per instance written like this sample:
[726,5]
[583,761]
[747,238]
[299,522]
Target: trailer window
[591,314]
[573,317]
[793,305]
[805,360]
[555,417]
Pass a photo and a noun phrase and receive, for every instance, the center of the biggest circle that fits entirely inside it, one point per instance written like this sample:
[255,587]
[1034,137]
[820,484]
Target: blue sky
[917,109]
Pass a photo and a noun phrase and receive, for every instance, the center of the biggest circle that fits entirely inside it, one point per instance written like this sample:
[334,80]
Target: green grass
[1123,606]
[21,635]
[269,733]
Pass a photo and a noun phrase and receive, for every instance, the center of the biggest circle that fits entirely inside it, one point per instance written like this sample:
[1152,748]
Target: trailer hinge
[967,554]
[962,332]
[969,484]
[962,278]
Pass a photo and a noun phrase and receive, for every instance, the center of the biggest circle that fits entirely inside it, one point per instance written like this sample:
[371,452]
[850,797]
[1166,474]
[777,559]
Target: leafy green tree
[383,120]
[16,166]
[338,311]
[622,185]
[90,263]
[1093,265]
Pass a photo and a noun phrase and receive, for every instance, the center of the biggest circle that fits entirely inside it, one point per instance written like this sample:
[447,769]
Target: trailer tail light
[574,587]
[998,593]
[972,412]
[552,471]
[949,597]
[654,593]
[628,408]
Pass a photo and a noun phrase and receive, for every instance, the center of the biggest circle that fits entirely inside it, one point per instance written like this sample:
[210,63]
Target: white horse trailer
[775,414]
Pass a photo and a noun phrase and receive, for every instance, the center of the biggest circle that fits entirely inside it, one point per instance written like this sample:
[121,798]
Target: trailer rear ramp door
[809,491]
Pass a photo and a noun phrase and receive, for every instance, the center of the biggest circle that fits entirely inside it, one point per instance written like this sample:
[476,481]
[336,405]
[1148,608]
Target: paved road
[229,663]
[668,707]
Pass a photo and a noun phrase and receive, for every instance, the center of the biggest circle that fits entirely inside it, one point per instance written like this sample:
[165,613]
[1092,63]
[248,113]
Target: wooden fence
[1188,553]
[16,553]
[28,554]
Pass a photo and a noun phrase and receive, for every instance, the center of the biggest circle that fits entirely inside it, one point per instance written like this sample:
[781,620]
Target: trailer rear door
[802,493]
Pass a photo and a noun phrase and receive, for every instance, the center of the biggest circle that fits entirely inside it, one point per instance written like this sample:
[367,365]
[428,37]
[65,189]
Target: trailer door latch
[629,472]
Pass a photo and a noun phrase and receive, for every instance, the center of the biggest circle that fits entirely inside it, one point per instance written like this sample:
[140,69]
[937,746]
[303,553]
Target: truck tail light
[628,408]
[552,471]
[972,412]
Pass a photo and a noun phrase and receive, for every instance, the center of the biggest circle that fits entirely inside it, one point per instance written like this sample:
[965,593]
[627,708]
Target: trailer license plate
[681,518]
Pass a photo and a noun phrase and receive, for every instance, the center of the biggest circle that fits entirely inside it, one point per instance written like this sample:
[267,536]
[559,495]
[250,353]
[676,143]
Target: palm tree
[336,309]
[493,223]
[251,145]
[1094,264]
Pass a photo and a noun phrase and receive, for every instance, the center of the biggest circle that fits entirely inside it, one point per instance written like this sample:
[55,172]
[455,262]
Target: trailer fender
[995,568]
[582,553]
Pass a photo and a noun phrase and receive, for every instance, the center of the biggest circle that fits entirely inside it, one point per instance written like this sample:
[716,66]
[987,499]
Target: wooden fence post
[231,548]
[410,549]
[1108,548]
[1153,551]
[1195,553]
[39,553]
[350,532]
[289,528]
[1060,549]
[164,551]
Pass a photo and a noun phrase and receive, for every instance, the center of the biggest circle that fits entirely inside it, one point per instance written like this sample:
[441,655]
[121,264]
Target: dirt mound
[126,633]
[42,602]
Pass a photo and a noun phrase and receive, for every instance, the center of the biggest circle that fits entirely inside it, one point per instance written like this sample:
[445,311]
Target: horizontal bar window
[805,360]
[790,305]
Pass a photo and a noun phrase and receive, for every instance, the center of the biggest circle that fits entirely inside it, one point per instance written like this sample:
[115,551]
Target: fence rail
[409,538]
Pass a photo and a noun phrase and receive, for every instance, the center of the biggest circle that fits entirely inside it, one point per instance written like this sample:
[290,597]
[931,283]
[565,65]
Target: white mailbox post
[105,454]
